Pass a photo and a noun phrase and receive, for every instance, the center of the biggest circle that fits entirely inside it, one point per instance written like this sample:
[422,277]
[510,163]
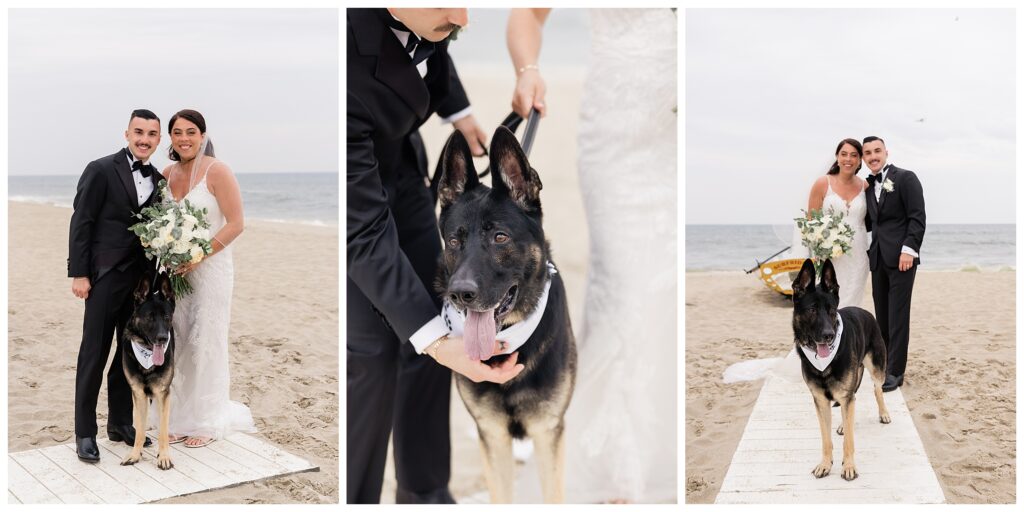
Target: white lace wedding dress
[200,403]
[852,267]
[621,425]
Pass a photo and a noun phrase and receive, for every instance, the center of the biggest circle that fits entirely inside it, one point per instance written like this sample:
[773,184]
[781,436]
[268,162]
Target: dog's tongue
[158,354]
[822,349]
[479,334]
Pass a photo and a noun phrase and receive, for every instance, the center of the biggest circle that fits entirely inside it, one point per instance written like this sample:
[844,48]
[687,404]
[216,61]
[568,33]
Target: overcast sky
[266,80]
[770,93]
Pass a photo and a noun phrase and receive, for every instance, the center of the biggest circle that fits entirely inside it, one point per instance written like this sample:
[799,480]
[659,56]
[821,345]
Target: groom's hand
[80,286]
[452,353]
[906,261]
[476,137]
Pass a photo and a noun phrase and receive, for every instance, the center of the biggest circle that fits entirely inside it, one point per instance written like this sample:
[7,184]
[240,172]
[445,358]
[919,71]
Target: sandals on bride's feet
[198,442]
[175,439]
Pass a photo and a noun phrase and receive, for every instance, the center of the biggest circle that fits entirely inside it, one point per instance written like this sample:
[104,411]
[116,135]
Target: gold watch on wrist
[433,347]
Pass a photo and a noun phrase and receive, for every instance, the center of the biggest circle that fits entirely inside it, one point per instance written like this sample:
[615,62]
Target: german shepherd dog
[494,268]
[150,327]
[816,321]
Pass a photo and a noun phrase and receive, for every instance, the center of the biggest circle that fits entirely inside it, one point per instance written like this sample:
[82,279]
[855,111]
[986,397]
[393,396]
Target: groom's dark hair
[872,138]
[144,114]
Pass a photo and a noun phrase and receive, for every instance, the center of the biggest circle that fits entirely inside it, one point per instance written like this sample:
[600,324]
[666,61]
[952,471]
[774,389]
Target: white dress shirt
[143,185]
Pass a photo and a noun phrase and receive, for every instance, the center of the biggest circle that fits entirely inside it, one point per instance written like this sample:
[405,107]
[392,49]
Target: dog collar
[514,335]
[833,349]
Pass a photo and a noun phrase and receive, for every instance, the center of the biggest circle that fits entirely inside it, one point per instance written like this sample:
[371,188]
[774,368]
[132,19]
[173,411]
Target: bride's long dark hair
[835,165]
[195,118]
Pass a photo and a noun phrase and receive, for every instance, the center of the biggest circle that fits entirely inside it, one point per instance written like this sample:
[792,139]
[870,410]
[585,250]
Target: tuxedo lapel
[395,69]
[890,175]
[872,202]
[124,173]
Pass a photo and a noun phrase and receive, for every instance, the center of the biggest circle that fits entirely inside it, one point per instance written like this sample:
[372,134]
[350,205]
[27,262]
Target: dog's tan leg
[877,378]
[550,449]
[140,410]
[163,453]
[849,469]
[824,410]
[499,464]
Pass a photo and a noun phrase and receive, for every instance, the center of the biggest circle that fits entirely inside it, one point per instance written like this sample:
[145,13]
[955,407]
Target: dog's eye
[453,242]
[500,238]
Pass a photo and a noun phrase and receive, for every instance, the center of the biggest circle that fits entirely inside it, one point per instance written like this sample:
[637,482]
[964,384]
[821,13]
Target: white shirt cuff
[908,250]
[458,115]
[430,332]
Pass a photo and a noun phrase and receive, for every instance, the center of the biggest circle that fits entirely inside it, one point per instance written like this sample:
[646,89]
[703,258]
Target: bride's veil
[205,150]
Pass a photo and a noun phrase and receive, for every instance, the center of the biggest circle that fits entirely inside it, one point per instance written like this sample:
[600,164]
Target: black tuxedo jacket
[896,219]
[105,206]
[387,103]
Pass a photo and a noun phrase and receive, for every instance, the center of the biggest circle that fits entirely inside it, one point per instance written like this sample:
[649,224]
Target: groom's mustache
[447,28]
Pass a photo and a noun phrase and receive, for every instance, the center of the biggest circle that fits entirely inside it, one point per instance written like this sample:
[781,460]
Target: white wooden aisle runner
[55,475]
[781,444]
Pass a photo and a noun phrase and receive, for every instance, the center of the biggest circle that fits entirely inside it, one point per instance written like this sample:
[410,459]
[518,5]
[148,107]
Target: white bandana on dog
[143,355]
[833,349]
[514,336]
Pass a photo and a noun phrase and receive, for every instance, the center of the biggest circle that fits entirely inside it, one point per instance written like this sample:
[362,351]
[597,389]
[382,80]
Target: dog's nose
[163,338]
[463,291]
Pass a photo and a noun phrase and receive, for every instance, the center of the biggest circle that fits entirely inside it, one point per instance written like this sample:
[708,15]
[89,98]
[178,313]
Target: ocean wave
[50,201]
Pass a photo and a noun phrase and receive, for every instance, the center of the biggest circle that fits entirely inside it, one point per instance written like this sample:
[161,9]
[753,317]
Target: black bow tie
[424,49]
[147,170]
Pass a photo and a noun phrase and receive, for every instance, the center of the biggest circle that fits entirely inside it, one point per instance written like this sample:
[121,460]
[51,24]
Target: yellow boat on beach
[775,273]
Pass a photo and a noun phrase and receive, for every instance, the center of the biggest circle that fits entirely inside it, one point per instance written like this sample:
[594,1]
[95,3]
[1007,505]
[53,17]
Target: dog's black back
[494,237]
[814,320]
[150,323]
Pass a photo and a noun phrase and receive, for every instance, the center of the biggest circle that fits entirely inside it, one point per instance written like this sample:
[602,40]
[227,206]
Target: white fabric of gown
[200,402]
[852,267]
[621,425]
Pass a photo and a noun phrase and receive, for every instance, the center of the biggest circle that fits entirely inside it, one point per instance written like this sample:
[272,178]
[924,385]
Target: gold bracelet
[433,347]
[526,67]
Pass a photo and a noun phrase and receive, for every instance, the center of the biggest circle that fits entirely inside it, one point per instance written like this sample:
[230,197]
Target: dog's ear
[457,171]
[829,283]
[142,289]
[512,173]
[163,284]
[804,280]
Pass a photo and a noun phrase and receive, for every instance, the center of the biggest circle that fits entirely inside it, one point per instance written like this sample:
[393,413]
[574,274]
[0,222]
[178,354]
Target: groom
[106,261]
[896,220]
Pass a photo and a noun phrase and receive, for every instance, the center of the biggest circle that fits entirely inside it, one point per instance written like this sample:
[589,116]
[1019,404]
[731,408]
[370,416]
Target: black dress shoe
[126,433]
[435,497]
[892,382]
[87,449]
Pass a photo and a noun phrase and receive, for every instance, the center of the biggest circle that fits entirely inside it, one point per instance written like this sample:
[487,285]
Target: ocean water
[306,198]
[950,247]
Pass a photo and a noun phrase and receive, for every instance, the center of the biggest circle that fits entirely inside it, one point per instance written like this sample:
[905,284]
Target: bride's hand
[530,90]
[185,269]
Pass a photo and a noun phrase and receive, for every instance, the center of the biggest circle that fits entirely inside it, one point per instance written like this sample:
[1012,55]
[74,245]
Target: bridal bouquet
[825,234]
[174,235]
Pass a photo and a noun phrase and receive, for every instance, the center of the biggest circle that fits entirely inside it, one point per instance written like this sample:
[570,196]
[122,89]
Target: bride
[621,425]
[201,409]
[840,190]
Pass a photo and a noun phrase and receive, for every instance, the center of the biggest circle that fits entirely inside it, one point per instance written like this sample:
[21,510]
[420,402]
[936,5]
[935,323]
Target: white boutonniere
[888,185]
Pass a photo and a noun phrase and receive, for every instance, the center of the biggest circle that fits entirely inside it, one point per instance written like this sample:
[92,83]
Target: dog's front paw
[884,417]
[823,469]
[163,461]
[131,458]
[849,471]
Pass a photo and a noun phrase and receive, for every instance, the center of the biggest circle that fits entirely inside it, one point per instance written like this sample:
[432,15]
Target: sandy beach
[959,384]
[283,346]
